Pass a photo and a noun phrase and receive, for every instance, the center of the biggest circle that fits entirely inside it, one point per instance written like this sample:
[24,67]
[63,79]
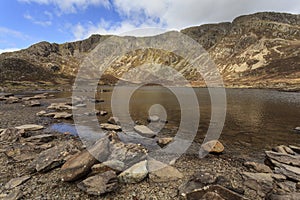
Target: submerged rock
[100,183]
[134,174]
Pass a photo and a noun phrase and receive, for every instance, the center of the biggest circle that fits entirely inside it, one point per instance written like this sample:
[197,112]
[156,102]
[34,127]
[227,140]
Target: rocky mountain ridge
[259,50]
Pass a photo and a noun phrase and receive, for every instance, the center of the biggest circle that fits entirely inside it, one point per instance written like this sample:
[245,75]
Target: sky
[25,22]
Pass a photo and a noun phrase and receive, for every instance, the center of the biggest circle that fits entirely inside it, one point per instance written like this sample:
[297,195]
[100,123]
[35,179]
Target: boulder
[213,146]
[30,127]
[16,182]
[110,127]
[100,183]
[144,131]
[80,164]
[134,174]
[160,172]
[129,154]
[50,158]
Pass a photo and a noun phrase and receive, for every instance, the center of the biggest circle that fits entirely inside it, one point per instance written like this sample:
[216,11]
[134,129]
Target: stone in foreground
[213,146]
[16,182]
[144,131]
[134,174]
[262,168]
[109,165]
[30,127]
[80,164]
[160,172]
[49,159]
[100,183]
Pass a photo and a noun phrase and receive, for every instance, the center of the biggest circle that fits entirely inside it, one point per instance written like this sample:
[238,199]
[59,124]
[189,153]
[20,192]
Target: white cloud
[38,22]
[178,14]
[8,50]
[71,6]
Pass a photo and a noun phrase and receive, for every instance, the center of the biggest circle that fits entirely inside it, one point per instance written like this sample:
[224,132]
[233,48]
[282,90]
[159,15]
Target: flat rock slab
[11,134]
[62,115]
[50,158]
[284,158]
[213,146]
[60,106]
[100,183]
[16,182]
[287,170]
[110,127]
[160,172]
[144,131]
[218,191]
[30,127]
[134,174]
[44,138]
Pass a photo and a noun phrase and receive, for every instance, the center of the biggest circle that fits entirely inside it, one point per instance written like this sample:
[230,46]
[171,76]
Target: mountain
[260,50]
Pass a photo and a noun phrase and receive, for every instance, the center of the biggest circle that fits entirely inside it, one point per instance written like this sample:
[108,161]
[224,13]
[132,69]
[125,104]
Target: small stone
[82,105]
[32,103]
[298,185]
[280,149]
[144,131]
[134,174]
[164,141]
[110,127]
[12,100]
[297,129]
[16,182]
[30,127]
[213,146]
[114,120]
[41,113]
[100,183]
[61,106]
[103,113]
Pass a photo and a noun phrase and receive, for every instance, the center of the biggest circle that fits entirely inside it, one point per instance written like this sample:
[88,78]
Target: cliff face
[258,50]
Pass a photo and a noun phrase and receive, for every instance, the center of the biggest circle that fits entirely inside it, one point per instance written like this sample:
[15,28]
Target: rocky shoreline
[41,164]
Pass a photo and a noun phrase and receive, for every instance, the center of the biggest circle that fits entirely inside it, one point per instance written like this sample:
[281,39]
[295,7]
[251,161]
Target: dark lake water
[256,120]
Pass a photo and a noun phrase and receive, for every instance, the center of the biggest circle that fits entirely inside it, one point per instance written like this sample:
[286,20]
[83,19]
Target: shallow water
[256,120]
